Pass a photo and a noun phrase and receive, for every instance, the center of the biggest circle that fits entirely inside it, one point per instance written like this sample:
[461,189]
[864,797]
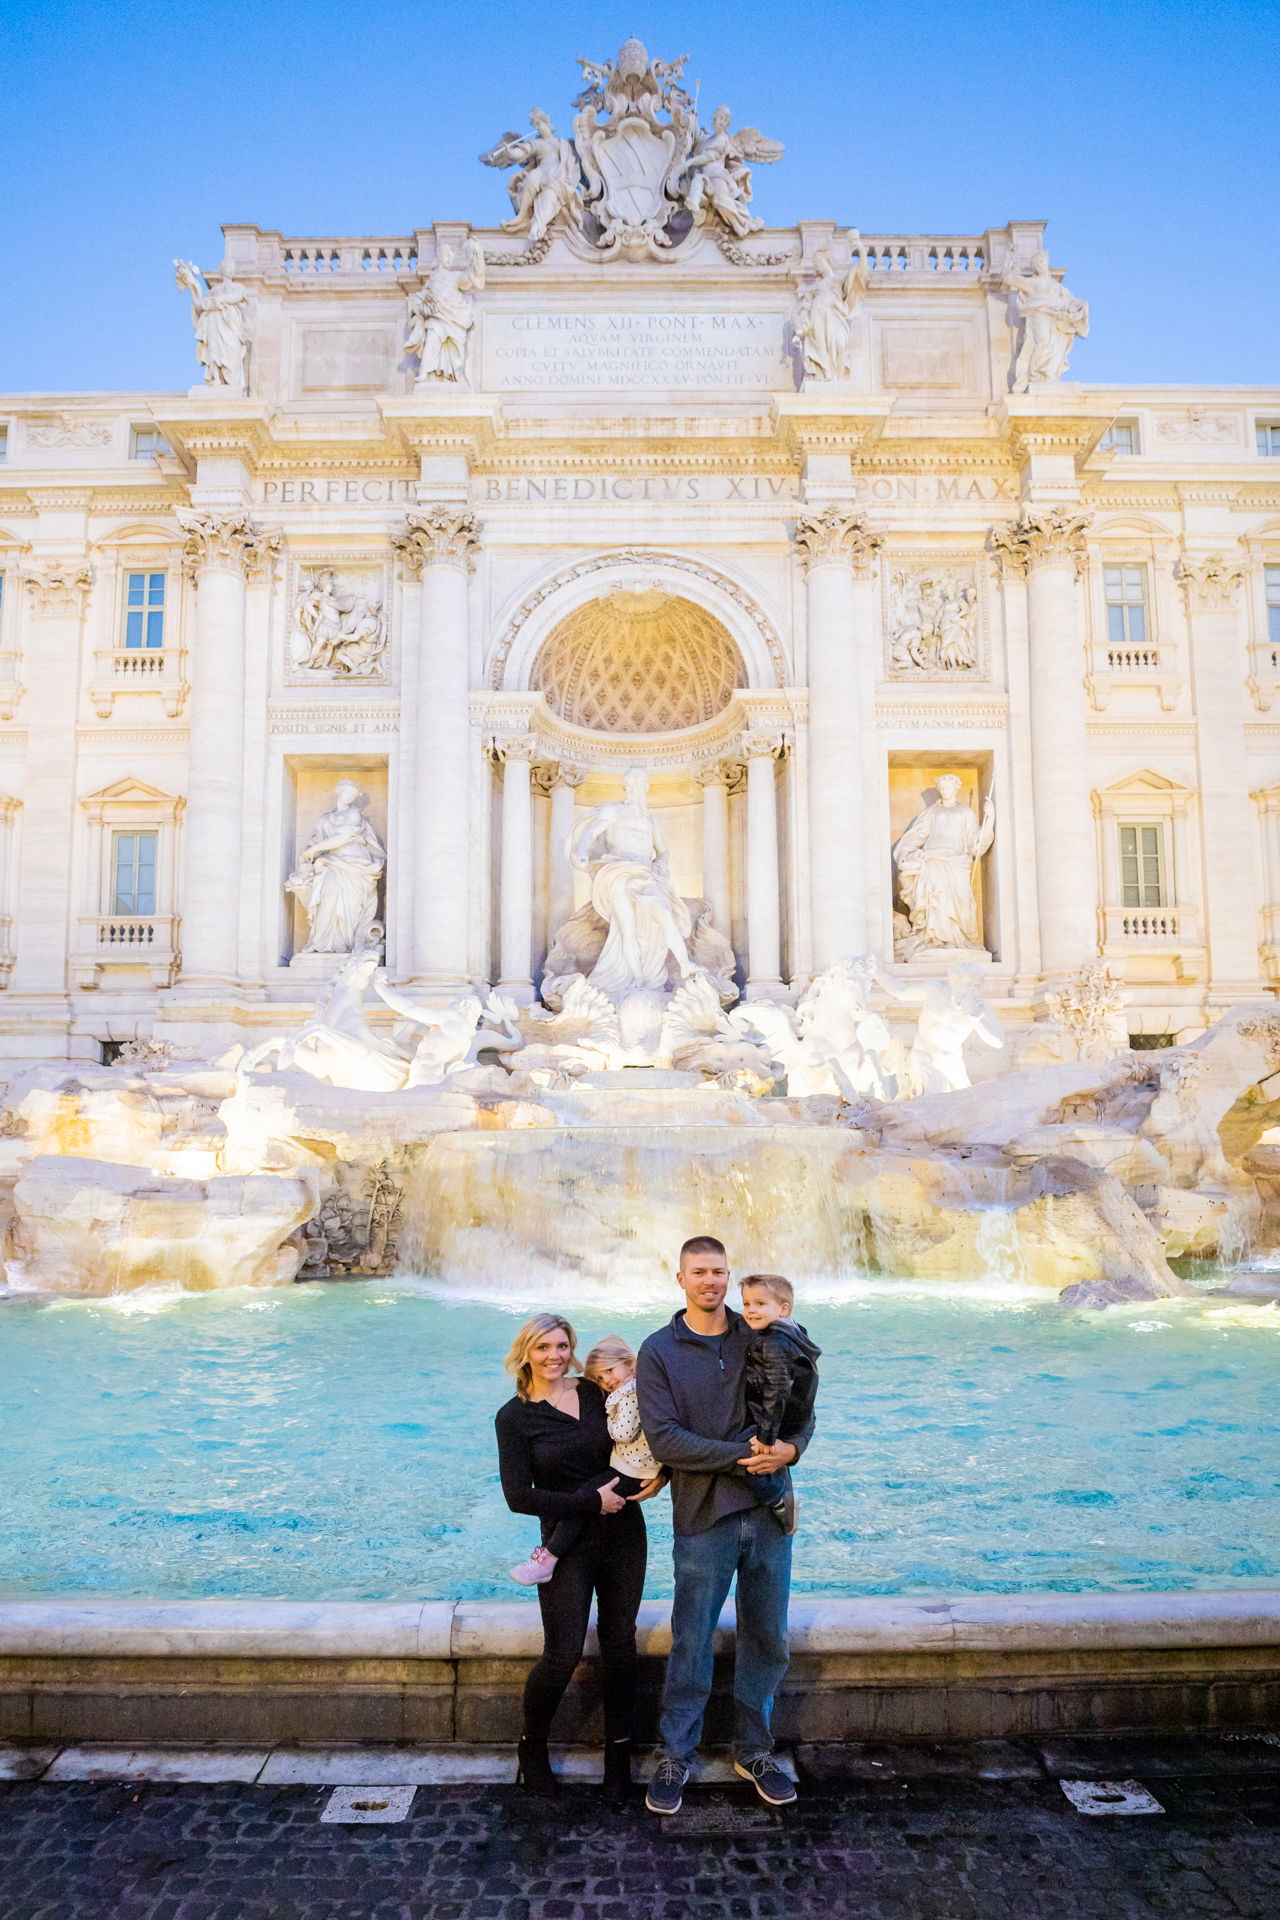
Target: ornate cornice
[759,743]
[836,536]
[1039,536]
[437,537]
[59,589]
[1211,584]
[224,542]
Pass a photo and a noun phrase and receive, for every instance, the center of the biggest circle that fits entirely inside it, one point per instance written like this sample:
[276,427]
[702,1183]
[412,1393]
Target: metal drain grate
[1110,1796]
[718,1816]
[365,1806]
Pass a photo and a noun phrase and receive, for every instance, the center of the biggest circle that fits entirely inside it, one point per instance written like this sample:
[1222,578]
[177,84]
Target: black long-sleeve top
[545,1457]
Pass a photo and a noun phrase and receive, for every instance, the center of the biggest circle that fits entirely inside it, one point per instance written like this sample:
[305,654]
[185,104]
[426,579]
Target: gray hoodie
[693,1407]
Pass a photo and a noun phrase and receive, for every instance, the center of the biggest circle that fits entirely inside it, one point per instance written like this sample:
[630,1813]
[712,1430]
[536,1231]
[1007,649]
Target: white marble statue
[442,314]
[619,846]
[1052,321]
[336,878]
[834,1044]
[934,622]
[717,177]
[951,1012]
[823,321]
[342,633]
[220,315]
[549,183]
[935,861]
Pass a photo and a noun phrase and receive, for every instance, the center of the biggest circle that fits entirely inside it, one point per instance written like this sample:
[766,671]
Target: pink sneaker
[537,1569]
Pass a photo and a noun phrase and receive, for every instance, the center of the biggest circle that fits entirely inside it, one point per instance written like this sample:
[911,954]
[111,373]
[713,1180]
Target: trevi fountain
[618,724]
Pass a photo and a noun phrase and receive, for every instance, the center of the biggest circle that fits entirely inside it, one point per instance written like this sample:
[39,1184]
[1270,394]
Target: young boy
[612,1366]
[781,1379]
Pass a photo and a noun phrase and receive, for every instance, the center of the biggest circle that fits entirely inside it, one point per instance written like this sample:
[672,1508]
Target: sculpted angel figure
[935,861]
[442,314]
[823,323]
[620,847]
[337,876]
[549,182]
[718,179]
[1053,320]
[220,315]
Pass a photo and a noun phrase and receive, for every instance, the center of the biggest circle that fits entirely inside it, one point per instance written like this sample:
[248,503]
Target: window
[1272,576]
[144,610]
[4,443]
[133,873]
[1269,438]
[1142,866]
[144,441]
[1126,595]
[1121,436]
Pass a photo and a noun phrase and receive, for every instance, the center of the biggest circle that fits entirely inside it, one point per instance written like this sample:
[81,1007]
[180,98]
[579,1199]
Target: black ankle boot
[533,1768]
[617,1771]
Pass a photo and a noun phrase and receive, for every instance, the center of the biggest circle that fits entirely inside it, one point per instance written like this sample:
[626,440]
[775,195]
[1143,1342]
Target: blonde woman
[554,1448]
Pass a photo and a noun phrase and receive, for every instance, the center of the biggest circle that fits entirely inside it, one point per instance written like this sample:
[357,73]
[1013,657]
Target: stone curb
[503,1629]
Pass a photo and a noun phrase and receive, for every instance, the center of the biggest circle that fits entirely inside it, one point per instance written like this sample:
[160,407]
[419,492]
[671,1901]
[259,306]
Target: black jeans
[608,1561]
[565,1534]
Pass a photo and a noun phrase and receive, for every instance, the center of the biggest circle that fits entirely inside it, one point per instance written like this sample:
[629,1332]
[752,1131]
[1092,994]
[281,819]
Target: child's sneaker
[537,1569]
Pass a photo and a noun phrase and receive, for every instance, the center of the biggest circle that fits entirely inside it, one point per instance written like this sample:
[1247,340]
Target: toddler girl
[612,1366]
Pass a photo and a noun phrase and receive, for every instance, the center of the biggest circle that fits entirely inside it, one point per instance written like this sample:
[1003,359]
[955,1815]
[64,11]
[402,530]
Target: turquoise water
[336,1441]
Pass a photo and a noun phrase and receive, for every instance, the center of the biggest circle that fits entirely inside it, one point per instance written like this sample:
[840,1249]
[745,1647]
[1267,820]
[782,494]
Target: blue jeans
[753,1546]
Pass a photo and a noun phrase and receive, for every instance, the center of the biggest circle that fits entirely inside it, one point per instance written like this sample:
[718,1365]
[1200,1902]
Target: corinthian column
[1232,892]
[764,934]
[565,782]
[838,547]
[439,545]
[715,846]
[56,599]
[515,880]
[1047,546]
[220,552]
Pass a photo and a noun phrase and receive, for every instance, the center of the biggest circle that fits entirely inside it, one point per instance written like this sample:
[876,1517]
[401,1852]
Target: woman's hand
[649,1488]
[611,1502]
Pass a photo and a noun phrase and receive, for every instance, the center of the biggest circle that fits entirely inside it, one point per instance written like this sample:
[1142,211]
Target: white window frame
[1145,646]
[1127,425]
[1268,428]
[1138,828]
[137,834]
[1153,941]
[108,942]
[138,452]
[139,670]
[128,570]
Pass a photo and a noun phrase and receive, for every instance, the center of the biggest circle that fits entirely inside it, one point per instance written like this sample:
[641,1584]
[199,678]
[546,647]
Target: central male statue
[620,847]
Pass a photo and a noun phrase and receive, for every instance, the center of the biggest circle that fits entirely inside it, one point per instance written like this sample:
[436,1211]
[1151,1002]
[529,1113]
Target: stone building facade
[481,519]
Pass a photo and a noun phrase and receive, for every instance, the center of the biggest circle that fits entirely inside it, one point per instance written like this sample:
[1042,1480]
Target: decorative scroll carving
[59,589]
[760,743]
[228,541]
[832,534]
[1041,534]
[1221,429]
[64,430]
[440,536]
[1210,585]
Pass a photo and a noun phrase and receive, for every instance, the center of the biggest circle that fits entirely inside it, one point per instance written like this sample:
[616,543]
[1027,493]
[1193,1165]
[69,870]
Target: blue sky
[1145,134]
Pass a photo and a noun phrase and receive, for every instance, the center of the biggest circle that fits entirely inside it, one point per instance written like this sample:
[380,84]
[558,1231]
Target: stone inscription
[325,491]
[550,350]
[658,488]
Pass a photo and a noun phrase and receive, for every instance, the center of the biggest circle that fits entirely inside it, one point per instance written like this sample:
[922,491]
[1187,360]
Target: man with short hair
[691,1382]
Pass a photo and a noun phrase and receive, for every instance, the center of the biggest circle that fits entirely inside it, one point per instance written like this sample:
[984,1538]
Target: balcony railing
[110,940]
[1133,659]
[1151,926]
[139,670]
[885,254]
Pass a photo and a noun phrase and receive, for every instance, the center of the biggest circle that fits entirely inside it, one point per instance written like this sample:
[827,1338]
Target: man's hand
[650,1488]
[768,1459]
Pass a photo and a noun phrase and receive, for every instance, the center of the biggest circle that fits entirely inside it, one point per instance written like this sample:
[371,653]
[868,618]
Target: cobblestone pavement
[880,1838]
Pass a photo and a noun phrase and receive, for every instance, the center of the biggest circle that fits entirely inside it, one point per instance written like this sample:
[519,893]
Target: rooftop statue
[823,321]
[220,315]
[1052,321]
[442,314]
[637,161]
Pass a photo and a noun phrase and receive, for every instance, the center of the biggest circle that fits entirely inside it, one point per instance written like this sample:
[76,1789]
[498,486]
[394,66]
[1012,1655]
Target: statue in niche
[220,315]
[935,623]
[549,183]
[1052,321]
[718,179]
[619,846]
[442,314]
[336,879]
[935,861]
[344,633]
[823,322]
